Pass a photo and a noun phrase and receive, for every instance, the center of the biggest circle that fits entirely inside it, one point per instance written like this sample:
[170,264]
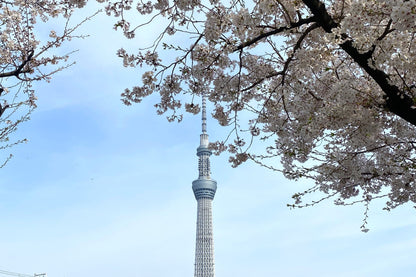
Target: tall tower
[204,190]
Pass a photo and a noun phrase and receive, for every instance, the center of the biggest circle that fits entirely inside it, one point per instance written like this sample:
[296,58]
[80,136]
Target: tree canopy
[27,56]
[328,86]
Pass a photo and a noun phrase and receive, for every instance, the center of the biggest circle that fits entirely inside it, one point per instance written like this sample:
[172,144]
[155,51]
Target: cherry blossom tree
[327,86]
[25,58]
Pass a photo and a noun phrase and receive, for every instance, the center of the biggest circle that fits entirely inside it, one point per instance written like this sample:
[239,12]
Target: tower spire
[204,190]
[204,114]
[204,135]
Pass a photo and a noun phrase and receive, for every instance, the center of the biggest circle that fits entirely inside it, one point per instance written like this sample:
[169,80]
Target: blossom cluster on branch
[328,86]
[24,58]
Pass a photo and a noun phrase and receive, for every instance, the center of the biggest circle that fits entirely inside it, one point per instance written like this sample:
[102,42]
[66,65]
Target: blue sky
[102,189]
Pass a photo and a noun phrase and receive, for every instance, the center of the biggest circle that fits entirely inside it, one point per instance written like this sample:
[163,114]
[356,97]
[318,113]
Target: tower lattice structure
[204,190]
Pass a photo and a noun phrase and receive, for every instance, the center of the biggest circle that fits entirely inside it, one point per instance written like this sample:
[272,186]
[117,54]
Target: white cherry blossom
[327,87]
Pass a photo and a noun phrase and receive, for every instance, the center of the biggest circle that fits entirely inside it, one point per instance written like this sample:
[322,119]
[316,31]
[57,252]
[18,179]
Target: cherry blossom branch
[387,31]
[309,78]
[396,101]
[274,32]
[19,69]
[295,48]
[287,62]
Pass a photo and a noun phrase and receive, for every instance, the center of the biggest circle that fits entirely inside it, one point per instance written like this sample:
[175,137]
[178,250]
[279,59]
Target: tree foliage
[328,86]
[26,58]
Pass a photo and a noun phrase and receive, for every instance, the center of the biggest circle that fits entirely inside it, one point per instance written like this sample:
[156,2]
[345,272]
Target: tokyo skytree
[204,190]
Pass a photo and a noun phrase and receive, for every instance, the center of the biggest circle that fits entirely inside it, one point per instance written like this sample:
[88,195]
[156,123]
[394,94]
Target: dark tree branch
[20,68]
[3,108]
[274,32]
[321,15]
[287,62]
[387,31]
[295,48]
[397,101]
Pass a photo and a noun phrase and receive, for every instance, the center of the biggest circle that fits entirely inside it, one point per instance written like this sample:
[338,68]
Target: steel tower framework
[204,190]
